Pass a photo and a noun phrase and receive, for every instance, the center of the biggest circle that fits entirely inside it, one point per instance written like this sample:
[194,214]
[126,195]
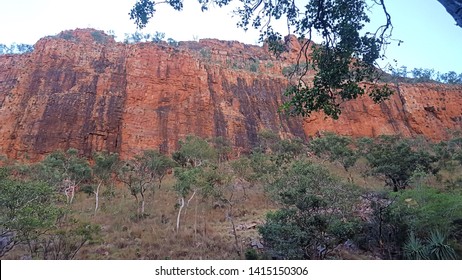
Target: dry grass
[206,232]
[358,173]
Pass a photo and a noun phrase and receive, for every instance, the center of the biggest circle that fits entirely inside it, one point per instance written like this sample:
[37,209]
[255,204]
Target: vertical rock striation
[81,89]
[69,92]
[431,110]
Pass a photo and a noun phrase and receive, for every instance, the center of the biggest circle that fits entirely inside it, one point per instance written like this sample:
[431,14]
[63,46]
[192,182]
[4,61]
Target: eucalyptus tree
[198,175]
[15,48]
[194,152]
[28,210]
[140,173]
[65,171]
[33,219]
[195,155]
[160,165]
[395,160]
[104,167]
[336,148]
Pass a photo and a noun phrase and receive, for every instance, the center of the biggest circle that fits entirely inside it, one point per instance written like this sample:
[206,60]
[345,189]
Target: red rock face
[83,90]
[431,110]
[69,92]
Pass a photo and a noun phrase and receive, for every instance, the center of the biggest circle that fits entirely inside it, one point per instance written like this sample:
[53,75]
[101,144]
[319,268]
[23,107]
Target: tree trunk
[192,196]
[137,205]
[195,220]
[179,214]
[97,197]
[72,195]
[142,204]
[160,181]
[229,215]
[189,200]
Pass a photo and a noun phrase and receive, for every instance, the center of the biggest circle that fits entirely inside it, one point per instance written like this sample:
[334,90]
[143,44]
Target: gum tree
[27,212]
[105,165]
[395,160]
[335,148]
[65,171]
[140,173]
[33,218]
[196,157]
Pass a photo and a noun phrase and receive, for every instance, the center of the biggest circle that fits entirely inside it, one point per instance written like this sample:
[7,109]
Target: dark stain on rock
[162,116]
[219,121]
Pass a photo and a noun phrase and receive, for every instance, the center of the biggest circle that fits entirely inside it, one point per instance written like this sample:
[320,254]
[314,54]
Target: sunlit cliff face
[83,90]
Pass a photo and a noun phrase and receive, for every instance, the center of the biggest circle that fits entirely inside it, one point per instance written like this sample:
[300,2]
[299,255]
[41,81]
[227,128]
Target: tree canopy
[343,62]
[15,48]
[345,57]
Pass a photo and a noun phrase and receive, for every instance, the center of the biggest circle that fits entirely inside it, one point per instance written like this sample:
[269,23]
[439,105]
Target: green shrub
[414,249]
[251,254]
[67,35]
[254,66]
[438,248]
[316,213]
[206,54]
[396,160]
[435,247]
[294,69]
[99,37]
[428,209]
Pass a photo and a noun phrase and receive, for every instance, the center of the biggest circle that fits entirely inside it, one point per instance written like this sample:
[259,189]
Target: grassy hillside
[333,198]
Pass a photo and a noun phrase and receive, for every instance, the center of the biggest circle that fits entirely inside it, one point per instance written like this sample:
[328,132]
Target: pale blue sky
[431,38]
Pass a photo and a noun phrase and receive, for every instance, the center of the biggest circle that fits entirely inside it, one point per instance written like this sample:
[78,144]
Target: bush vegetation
[425,75]
[15,48]
[334,197]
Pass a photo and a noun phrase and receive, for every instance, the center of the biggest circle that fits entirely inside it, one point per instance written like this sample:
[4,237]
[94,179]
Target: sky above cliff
[431,38]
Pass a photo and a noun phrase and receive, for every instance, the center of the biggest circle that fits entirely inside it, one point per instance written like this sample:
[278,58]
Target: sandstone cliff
[82,89]
[431,110]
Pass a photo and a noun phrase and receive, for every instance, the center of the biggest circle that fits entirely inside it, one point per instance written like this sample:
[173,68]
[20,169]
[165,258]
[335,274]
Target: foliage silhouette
[345,57]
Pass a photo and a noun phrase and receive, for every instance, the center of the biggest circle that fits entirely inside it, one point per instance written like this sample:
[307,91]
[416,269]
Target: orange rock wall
[67,93]
[81,89]
[431,110]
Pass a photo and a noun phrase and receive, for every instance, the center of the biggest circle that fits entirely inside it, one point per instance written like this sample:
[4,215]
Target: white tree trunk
[179,214]
[97,198]
[142,203]
[72,195]
[195,221]
[189,200]
[192,196]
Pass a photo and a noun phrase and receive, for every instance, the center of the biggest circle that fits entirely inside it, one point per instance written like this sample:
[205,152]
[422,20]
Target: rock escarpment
[82,89]
[427,109]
